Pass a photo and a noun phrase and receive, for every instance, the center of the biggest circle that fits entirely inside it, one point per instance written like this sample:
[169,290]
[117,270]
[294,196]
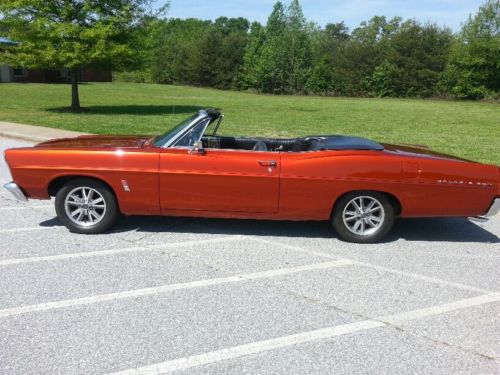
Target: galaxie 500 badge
[461,182]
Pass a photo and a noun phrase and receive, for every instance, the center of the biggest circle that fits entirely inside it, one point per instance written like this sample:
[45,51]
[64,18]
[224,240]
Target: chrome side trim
[125,186]
[494,208]
[16,191]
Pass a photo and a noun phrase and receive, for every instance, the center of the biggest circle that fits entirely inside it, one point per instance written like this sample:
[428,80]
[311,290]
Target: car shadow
[441,229]
[425,229]
[141,110]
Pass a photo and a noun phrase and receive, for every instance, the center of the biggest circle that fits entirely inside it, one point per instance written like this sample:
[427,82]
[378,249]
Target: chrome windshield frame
[179,135]
[207,121]
[203,114]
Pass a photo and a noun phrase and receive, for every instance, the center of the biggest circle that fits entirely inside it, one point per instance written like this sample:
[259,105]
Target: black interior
[312,143]
[249,143]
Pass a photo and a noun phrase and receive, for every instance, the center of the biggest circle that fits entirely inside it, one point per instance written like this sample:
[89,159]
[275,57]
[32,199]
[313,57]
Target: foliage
[250,74]
[277,59]
[270,68]
[298,43]
[196,52]
[321,79]
[220,55]
[173,45]
[415,59]
[383,79]
[474,67]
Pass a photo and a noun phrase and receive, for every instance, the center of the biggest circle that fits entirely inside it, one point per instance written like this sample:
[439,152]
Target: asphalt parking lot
[201,296]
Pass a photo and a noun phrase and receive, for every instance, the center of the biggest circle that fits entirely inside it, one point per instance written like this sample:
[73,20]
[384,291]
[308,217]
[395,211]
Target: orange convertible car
[358,184]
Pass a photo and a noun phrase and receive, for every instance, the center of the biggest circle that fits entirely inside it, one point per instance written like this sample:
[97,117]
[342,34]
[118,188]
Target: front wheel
[363,217]
[86,206]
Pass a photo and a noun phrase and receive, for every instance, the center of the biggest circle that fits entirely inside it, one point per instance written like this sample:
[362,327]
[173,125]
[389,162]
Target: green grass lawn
[467,129]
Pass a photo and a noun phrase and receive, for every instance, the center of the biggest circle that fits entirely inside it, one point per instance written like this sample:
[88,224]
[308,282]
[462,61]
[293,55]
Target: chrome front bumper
[16,191]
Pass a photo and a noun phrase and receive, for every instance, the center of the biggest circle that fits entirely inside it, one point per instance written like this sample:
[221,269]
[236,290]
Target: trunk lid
[419,152]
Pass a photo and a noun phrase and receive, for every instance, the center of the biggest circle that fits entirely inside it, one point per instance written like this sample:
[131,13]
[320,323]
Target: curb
[22,137]
[34,133]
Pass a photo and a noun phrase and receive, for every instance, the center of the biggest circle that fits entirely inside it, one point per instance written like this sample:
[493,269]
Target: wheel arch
[393,199]
[58,182]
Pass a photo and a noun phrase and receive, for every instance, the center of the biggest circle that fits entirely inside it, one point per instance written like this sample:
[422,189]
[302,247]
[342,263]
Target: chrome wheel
[85,206]
[363,215]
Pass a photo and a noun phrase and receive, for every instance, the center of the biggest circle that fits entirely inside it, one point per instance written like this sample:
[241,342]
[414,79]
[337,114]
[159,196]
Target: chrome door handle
[267,163]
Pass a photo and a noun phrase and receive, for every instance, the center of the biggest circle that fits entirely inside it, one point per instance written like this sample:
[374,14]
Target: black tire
[366,227]
[97,190]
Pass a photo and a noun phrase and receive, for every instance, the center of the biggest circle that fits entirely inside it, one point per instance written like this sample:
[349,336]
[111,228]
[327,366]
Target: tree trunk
[75,99]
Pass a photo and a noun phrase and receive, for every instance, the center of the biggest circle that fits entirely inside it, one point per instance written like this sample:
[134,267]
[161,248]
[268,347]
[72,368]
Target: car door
[219,180]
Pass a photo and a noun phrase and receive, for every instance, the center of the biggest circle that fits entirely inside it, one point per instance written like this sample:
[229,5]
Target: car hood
[98,141]
[418,151]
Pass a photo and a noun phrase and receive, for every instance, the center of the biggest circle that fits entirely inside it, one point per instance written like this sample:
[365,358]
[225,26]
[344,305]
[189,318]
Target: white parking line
[303,338]
[100,253]
[24,207]
[170,287]
[428,279]
[440,309]
[29,229]
[412,275]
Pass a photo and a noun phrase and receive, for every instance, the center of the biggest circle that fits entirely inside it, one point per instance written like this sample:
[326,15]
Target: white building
[6,72]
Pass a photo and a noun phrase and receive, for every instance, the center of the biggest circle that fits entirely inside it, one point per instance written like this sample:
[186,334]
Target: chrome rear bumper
[16,191]
[492,211]
[494,208]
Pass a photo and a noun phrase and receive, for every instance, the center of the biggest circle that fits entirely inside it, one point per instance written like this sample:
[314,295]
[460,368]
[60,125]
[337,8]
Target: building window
[19,72]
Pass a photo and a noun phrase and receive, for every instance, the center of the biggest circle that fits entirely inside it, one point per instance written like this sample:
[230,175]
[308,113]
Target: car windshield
[193,135]
[161,140]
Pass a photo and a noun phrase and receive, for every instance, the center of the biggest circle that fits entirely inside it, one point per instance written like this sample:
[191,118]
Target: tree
[320,79]
[220,52]
[417,56]
[55,34]
[174,56]
[414,57]
[298,44]
[272,65]
[474,68]
[278,57]
[366,49]
[329,40]
[196,52]
[249,76]
[327,47]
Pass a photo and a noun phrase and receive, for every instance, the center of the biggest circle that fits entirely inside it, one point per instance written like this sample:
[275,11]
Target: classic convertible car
[357,184]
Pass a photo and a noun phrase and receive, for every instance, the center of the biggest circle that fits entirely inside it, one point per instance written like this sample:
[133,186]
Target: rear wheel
[86,206]
[363,217]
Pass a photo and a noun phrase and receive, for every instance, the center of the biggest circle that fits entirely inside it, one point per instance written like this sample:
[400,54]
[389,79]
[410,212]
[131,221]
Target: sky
[443,12]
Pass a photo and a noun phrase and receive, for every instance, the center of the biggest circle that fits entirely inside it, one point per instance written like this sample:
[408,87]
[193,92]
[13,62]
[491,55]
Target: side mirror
[197,149]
